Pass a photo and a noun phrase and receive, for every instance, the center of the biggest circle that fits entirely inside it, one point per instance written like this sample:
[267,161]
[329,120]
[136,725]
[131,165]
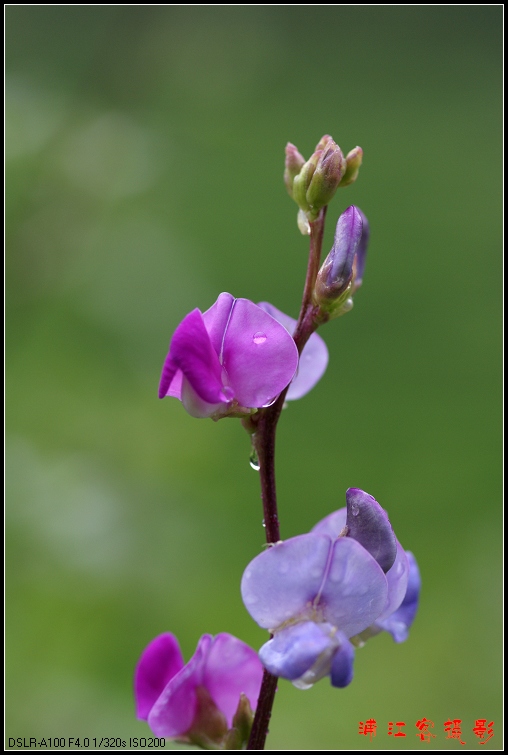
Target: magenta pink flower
[169,694]
[236,357]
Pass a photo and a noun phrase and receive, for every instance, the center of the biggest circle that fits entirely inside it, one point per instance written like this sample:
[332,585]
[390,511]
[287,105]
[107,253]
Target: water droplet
[228,392]
[355,509]
[263,522]
[253,460]
[259,337]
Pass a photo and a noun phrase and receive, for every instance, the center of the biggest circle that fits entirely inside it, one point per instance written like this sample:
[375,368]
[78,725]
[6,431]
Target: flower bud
[335,278]
[302,181]
[326,177]
[353,162]
[294,164]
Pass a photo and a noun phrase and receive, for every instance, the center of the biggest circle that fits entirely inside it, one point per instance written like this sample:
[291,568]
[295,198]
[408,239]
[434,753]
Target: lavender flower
[236,357]
[197,701]
[317,593]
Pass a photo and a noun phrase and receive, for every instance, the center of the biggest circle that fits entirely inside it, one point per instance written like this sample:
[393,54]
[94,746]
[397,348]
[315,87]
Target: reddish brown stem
[264,424]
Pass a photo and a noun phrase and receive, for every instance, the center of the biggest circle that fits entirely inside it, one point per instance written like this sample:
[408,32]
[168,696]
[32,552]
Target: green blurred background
[144,176]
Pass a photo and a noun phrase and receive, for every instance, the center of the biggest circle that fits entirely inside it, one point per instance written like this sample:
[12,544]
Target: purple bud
[323,142]
[353,162]
[294,164]
[336,273]
[361,252]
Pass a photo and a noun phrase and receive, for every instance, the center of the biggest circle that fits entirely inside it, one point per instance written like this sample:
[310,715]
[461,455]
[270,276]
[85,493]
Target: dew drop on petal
[228,393]
[355,509]
[259,337]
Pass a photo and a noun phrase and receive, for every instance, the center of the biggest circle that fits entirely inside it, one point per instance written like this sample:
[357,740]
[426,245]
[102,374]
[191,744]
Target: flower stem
[264,427]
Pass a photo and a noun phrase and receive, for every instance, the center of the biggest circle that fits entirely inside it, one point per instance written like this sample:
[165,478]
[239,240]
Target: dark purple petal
[399,622]
[173,712]
[232,667]
[295,649]
[191,351]
[258,354]
[282,582]
[397,578]
[313,359]
[341,672]
[368,523]
[333,524]
[159,663]
[361,252]
[355,590]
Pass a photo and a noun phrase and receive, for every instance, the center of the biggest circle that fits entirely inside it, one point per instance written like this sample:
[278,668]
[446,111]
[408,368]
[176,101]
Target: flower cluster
[199,701]
[322,593]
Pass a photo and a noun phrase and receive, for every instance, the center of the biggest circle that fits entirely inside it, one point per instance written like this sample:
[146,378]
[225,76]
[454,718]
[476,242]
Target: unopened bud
[361,253]
[326,177]
[294,164]
[238,736]
[353,161]
[323,142]
[334,281]
[302,181]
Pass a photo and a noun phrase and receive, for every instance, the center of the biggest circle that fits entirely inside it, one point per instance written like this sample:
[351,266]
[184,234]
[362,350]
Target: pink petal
[259,355]
[313,359]
[159,663]
[174,711]
[191,351]
[232,667]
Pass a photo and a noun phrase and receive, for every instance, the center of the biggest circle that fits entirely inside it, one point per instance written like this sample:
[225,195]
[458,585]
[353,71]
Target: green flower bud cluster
[313,183]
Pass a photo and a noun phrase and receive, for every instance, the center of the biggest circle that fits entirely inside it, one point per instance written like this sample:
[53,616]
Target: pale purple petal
[294,650]
[341,672]
[399,622]
[355,589]
[191,351]
[259,356]
[175,387]
[216,320]
[333,524]
[313,359]
[232,667]
[397,578]
[281,582]
[368,523]
[159,663]
[195,405]
[173,713]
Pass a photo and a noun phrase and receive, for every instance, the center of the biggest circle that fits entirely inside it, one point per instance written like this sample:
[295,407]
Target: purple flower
[199,699]
[233,358]
[322,593]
